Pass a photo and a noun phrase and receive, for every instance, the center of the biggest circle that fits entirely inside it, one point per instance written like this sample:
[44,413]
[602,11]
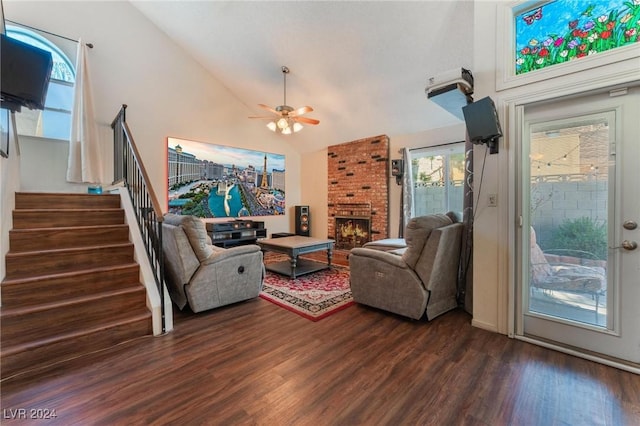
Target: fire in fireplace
[352,232]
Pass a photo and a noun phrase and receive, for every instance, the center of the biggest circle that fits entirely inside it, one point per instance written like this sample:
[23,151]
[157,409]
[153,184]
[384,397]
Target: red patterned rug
[313,296]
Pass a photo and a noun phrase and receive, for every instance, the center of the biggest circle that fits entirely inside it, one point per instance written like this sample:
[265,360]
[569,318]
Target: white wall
[9,184]
[314,182]
[43,166]
[487,311]
[167,92]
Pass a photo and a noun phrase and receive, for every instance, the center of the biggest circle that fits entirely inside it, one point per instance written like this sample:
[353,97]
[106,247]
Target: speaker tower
[397,170]
[303,223]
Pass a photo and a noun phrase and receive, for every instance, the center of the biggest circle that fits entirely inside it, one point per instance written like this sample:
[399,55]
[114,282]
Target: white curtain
[406,208]
[84,147]
[465,281]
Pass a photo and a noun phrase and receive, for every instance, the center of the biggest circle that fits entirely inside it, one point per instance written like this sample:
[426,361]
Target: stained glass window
[564,30]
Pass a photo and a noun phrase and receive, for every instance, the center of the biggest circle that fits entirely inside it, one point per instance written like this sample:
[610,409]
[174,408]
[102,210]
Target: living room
[170,94]
[216,118]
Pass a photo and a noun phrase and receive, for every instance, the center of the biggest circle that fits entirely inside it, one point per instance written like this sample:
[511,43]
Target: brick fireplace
[358,192]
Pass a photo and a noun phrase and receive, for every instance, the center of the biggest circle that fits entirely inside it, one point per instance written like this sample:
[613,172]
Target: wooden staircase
[72,285]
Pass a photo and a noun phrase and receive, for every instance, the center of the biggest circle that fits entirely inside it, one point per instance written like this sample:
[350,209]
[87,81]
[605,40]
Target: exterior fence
[554,200]
[557,198]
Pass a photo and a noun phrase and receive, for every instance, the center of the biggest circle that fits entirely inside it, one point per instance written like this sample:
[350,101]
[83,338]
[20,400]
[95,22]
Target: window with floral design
[564,30]
[55,120]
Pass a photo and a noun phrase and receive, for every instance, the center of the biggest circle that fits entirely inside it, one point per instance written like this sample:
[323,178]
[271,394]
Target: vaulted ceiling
[362,65]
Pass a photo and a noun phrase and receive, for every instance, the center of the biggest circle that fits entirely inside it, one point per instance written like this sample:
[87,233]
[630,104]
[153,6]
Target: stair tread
[64,201]
[36,278]
[68,250]
[63,194]
[68,211]
[32,218]
[6,312]
[66,228]
[9,349]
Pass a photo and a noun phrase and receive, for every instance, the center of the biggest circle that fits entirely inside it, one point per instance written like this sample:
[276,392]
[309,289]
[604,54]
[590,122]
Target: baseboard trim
[484,325]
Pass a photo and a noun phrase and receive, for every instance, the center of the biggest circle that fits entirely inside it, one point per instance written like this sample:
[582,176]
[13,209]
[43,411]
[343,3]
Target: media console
[235,232]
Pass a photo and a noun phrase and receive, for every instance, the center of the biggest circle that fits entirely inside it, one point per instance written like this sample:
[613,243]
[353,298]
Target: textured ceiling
[362,66]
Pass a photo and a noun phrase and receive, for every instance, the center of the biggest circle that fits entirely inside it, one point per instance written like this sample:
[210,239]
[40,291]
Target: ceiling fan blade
[302,110]
[262,117]
[268,108]
[307,120]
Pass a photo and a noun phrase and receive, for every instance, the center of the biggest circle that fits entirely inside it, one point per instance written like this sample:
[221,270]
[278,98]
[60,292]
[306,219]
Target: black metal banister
[129,169]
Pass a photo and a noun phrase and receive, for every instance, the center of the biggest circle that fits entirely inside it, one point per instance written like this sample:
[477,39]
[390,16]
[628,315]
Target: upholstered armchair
[417,280]
[205,276]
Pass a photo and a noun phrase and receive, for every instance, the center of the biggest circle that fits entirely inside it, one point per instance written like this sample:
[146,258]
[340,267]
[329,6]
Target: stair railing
[129,170]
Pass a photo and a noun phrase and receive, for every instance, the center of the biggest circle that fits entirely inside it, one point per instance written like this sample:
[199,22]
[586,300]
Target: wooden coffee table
[293,247]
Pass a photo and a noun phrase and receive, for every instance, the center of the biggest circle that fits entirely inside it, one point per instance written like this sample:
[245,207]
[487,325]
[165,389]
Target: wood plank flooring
[256,363]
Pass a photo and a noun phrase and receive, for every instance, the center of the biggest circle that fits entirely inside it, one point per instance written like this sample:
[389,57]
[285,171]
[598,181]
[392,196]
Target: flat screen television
[25,73]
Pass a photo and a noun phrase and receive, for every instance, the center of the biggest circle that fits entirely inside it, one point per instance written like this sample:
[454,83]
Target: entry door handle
[627,245]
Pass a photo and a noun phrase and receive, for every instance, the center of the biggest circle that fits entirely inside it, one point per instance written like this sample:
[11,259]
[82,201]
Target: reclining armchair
[417,280]
[205,276]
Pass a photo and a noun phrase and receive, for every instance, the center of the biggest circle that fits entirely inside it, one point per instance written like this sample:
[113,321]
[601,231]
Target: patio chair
[564,276]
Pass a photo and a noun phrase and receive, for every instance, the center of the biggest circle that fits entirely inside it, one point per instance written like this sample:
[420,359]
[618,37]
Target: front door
[579,202]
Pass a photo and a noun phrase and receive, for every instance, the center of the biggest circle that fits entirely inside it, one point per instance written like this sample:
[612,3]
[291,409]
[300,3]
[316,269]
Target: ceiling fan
[287,119]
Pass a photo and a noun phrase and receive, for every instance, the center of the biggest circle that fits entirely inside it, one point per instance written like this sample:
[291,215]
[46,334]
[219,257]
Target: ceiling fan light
[286,123]
[283,123]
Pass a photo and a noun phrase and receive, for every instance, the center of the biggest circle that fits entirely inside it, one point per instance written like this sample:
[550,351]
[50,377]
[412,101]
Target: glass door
[569,177]
[577,202]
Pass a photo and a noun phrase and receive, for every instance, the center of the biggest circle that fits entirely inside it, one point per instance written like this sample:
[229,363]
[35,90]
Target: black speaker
[397,167]
[482,122]
[303,221]
[397,170]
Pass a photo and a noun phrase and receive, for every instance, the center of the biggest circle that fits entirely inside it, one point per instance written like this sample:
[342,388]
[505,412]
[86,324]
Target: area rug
[313,296]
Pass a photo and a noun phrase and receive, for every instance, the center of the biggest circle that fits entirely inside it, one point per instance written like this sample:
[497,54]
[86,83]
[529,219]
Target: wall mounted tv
[25,73]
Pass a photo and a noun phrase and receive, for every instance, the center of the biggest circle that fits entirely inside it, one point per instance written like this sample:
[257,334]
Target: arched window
[55,120]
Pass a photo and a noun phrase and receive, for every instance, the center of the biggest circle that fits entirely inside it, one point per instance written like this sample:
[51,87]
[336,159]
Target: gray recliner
[205,276]
[420,279]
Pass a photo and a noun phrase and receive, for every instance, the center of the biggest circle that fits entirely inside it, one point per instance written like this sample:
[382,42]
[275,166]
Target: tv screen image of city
[216,181]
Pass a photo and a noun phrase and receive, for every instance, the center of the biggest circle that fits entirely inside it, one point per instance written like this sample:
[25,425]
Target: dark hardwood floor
[256,363]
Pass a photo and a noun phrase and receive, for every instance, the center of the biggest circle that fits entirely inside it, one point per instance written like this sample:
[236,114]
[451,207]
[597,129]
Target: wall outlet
[492,200]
